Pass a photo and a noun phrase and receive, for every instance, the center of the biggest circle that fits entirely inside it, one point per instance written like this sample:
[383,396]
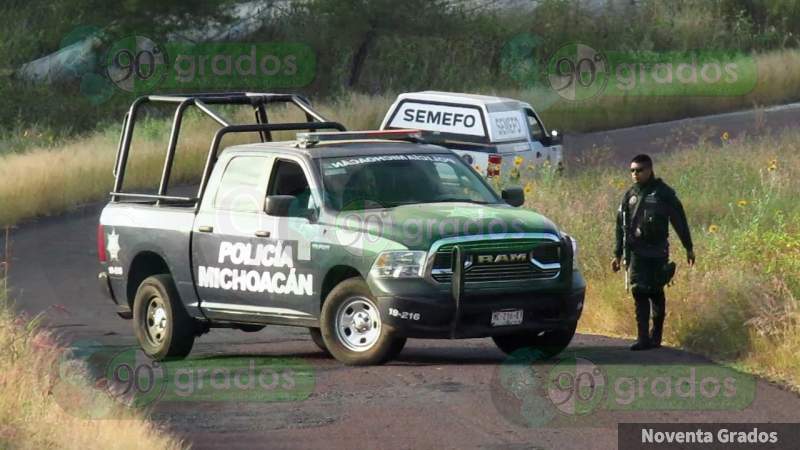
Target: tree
[359,23]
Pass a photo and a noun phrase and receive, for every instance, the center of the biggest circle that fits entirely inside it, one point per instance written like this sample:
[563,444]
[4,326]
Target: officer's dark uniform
[642,230]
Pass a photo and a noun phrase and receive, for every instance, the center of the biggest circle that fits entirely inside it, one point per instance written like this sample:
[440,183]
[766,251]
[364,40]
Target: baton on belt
[624,244]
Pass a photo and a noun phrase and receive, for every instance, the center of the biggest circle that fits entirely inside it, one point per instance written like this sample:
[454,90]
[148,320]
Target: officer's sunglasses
[638,169]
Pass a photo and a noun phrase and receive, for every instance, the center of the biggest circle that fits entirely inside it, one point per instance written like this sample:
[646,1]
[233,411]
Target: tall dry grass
[778,82]
[49,180]
[740,303]
[45,399]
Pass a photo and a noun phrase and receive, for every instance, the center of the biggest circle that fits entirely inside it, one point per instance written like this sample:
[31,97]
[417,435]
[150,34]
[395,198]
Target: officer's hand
[615,264]
[690,258]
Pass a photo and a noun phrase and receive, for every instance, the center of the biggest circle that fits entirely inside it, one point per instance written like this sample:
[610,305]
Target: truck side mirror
[279,205]
[286,206]
[514,196]
[555,138]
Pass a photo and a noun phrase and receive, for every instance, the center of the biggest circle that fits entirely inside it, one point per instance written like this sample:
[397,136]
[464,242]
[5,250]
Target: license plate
[506,317]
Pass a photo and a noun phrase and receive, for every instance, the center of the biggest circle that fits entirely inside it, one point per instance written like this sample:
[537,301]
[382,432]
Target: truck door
[543,146]
[297,283]
[537,137]
[244,269]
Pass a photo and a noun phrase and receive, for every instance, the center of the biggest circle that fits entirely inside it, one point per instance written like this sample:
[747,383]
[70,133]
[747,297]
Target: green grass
[739,304]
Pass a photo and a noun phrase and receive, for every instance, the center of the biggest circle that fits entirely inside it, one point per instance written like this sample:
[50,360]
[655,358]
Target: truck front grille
[501,260]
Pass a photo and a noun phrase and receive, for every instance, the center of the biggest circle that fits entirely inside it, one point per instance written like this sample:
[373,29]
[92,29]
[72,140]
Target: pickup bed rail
[258,101]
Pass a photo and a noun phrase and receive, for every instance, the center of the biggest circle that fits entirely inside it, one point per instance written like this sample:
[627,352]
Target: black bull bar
[458,259]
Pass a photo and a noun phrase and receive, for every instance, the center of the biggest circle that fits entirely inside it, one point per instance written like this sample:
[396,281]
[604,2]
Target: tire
[352,329]
[158,299]
[550,344]
[316,337]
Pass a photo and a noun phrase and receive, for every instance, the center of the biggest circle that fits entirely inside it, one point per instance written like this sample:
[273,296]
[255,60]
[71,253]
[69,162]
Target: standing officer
[642,239]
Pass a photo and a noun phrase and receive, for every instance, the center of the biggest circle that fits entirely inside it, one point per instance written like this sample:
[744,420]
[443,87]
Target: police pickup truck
[493,134]
[364,238]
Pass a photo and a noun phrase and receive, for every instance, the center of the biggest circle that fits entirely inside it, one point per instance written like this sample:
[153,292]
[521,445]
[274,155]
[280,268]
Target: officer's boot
[659,312]
[642,320]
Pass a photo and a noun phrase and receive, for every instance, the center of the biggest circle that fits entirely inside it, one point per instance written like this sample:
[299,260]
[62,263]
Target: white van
[489,133]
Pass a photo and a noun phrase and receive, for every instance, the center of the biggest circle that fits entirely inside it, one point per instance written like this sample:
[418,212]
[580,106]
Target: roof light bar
[310,139]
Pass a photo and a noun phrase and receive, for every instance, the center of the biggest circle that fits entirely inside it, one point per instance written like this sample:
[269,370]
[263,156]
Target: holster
[666,273]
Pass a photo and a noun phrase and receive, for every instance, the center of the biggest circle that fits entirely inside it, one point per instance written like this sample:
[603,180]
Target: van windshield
[387,181]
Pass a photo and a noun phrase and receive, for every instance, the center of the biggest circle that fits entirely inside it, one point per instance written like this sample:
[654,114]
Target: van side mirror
[555,138]
[279,205]
[514,196]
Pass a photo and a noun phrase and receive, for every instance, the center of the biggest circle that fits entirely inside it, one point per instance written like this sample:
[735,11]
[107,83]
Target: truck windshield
[387,181]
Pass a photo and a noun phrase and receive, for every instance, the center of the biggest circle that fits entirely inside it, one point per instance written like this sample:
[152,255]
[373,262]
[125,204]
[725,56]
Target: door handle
[205,229]
[262,234]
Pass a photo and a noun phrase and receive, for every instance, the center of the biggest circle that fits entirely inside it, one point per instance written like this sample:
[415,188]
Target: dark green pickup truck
[365,238]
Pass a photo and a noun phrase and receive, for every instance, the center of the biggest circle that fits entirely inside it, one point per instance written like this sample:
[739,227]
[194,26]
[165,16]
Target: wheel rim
[156,320]
[358,324]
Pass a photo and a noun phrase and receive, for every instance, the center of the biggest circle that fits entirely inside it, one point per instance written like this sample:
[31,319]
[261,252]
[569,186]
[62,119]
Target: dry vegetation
[740,304]
[51,179]
[778,82]
[46,401]
[47,181]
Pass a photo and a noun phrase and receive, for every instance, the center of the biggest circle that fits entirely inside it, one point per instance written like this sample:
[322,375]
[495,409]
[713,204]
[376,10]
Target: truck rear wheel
[352,329]
[549,344]
[161,324]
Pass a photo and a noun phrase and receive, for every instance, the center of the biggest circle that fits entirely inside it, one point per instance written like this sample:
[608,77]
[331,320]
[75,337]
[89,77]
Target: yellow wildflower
[529,188]
[725,136]
[742,203]
[518,160]
[773,165]
[713,228]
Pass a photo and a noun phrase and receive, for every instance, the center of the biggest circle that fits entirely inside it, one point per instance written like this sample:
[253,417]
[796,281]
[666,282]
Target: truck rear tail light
[101,244]
[493,168]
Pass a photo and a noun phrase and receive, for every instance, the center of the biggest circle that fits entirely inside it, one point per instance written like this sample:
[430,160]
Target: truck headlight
[399,264]
[574,247]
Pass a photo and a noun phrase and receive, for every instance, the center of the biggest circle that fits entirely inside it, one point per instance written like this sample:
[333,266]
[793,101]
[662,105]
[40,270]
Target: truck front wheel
[161,324]
[548,343]
[316,337]
[352,329]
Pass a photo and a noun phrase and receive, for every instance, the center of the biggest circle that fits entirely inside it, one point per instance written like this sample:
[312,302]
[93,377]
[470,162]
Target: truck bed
[143,226]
